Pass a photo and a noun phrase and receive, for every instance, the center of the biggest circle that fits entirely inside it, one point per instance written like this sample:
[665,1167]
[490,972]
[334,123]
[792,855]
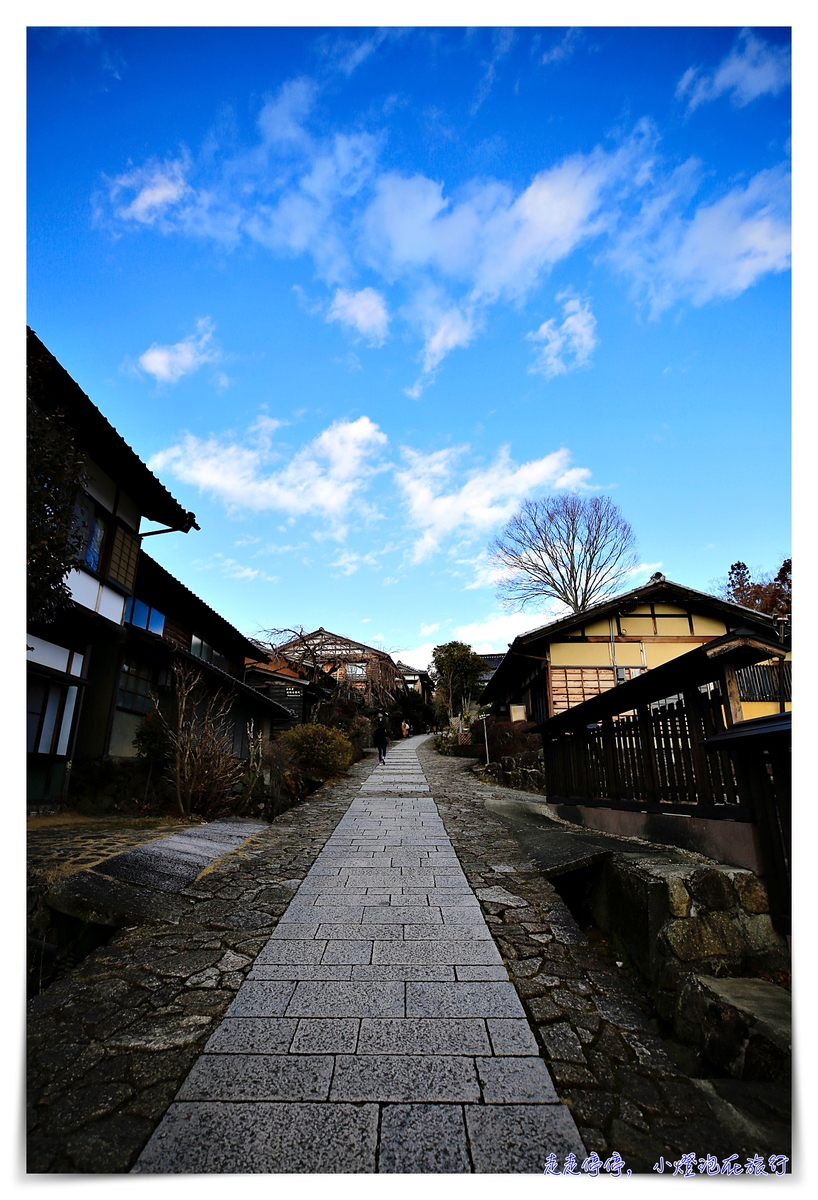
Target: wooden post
[698,755]
[648,755]
[609,755]
[730,698]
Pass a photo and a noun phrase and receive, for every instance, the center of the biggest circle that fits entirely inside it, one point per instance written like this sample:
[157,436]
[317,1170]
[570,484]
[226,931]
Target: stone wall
[682,925]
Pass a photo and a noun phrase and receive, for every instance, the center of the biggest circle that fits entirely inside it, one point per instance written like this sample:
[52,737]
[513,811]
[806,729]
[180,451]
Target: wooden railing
[674,740]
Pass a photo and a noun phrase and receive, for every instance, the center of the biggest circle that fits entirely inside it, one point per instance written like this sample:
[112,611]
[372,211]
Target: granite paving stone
[517,1138]
[423,1139]
[523,1080]
[324,1035]
[259,1138]
[395,1077]
[259,1077]
[423,1036]
[354,999]
[253,1035]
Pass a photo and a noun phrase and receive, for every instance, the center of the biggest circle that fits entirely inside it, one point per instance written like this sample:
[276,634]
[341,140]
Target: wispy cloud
[719,251]
[502,41]
[753,68]
[562,49]
[438,505]
[168,364]
[347,562]
[153,189]
[230,568]
[322,479]
[566,346]
[364,311]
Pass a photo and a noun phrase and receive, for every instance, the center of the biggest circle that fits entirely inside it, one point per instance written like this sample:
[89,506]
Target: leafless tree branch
[574,549]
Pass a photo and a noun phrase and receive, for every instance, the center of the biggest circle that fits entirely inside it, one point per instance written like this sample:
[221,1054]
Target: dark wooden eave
[50,387]
[158,588]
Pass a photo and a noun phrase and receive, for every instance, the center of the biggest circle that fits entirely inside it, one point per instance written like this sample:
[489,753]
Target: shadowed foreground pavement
[378,1029]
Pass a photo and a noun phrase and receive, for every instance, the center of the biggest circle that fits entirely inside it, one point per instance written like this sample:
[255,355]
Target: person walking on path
[381,740]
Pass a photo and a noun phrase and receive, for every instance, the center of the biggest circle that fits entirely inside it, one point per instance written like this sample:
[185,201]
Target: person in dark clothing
[381,740]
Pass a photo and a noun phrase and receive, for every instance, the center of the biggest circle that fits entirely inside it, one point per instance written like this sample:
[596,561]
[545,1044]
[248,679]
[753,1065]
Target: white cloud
[321,479]
[483,573]
[348,562]
[281,121]
[425,630]
[439,507]
[453,254]
[347,55]
[231,569]
[155,187]
[495,632]
[569,345]
[502,41]
[168,364]
[562,49]
[445,328]
[365,311]
[724,248]
[419,657]
[753,68]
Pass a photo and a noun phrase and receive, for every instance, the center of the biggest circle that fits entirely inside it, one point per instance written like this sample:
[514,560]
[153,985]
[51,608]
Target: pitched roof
[326,635]
[157,586]
[50,387]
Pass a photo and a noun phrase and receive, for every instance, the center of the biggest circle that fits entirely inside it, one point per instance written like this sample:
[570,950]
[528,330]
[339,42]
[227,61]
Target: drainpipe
[613,646]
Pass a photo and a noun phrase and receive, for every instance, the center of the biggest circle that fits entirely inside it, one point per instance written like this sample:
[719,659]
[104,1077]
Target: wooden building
[351,668]
[570,660]
[288,684]
[92,671]
[61,655]
[417,681]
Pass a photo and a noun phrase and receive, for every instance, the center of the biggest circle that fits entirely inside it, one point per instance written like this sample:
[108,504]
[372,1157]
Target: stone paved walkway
[378,1029]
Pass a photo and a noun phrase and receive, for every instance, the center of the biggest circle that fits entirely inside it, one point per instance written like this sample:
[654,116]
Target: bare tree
[570,548]
[202,766]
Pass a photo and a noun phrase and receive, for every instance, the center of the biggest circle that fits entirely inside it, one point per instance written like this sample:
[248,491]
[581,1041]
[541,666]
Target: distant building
[418,681]
[347,665]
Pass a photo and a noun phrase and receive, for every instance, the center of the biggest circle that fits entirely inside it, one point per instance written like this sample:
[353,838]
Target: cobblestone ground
[626,1092]
[111,1044]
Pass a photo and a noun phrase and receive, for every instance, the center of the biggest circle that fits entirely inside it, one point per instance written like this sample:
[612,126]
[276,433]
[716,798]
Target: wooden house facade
[92,671]
[569,661]
[350,668]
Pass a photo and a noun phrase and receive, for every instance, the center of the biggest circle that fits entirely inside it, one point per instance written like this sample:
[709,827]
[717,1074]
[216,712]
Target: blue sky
[354,294]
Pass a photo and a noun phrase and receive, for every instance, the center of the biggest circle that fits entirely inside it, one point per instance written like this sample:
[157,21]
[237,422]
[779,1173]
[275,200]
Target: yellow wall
[580,654]
[708,625]
[628,654]
[756,708]
[657,653]
[636,626]
[599,629]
